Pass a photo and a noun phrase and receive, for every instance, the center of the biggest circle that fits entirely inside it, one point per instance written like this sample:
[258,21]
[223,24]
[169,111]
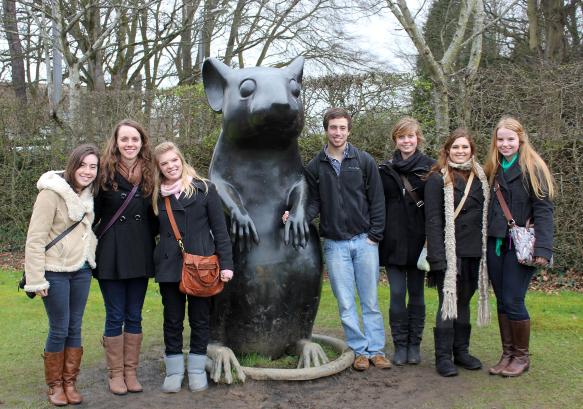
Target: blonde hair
[405,125]
[187,171]
[531,164]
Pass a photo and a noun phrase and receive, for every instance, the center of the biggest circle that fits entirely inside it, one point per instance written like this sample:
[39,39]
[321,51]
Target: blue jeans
[123,300]
[510,281]
[65,305]
[355,263]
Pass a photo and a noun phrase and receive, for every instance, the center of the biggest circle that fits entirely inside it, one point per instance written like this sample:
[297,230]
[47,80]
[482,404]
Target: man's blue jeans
[354,264]
[65,305]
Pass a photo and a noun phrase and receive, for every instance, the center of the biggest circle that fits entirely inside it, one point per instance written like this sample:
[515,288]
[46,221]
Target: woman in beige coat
[60,271]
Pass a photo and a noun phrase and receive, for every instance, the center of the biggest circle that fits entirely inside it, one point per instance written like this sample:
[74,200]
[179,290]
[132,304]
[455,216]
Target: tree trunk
[533,27]
[16,55]
[554,30]
[440,98]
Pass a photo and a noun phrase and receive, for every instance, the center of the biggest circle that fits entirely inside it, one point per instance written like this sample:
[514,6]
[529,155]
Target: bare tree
[15,47]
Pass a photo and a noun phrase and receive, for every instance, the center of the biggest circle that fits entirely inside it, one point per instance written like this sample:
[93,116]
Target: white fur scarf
[449,307]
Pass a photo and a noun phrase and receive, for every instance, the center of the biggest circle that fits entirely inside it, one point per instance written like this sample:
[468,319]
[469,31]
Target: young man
[345,188]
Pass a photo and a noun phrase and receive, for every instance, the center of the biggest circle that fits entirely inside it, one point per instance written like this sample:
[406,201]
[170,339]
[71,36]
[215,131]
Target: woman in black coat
[456,197]
[527,187]
[125,249]
[403,179]
[199,216]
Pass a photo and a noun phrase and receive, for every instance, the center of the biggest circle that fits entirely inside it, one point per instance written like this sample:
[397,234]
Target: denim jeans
[198,317]
[123,301]
[65,305]
[510,281]
[354,264]
[405,280]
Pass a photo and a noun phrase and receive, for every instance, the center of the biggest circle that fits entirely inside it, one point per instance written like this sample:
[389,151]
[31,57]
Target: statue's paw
[311,354]
[243,229]
[224,365]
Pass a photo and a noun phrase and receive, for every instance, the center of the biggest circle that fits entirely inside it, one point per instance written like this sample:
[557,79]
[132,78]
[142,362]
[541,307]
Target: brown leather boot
[54,377]
[114,356]
[132,344]
[70,373]
[520,337]
[506,338]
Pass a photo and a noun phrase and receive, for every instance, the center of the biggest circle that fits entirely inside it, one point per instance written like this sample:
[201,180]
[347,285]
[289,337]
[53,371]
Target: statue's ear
[296,67]
[214,79]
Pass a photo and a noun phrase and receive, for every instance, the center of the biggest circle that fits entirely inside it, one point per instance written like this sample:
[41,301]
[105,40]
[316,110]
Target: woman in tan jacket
[60,271]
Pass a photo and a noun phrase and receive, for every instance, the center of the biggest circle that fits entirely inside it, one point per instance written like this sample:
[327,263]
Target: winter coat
[404,233]
[524,205]
[201,222]
[126,249]
[468,224]
[56,208]
[350,203]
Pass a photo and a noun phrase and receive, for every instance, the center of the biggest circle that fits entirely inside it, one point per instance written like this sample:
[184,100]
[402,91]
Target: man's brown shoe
[361,363]
[380,362]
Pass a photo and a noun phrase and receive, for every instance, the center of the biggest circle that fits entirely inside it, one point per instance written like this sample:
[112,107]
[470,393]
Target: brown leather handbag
[200,274]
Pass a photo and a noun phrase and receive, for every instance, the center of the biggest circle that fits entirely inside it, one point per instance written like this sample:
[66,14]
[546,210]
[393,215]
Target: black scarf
[406,165]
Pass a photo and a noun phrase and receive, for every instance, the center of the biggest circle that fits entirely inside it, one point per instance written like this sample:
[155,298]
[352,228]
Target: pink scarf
[175,188]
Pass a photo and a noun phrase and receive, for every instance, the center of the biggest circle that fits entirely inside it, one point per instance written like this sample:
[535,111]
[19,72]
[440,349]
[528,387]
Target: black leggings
[403,280]
[467,283]
[174,310]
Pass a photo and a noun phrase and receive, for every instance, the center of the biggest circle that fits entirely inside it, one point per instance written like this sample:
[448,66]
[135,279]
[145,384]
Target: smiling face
[170,165]
[337,133]
[507,142]
[86,172]
[129,143]
[406,143]
[460,150]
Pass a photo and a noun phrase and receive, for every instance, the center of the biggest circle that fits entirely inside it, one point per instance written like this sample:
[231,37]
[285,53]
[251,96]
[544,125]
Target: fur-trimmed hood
[77,205]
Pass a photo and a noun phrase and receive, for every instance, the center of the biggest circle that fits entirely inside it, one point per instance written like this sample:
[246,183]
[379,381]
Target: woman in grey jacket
[61,273]
[199,216]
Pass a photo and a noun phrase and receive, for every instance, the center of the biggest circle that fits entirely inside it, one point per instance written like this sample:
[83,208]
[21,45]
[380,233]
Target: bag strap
[175,230]
[123,206]
[63,234]
[459,207]
[411,191]
[504,205]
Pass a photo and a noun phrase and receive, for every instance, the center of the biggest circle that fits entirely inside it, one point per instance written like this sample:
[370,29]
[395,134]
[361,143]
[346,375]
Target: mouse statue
[271,303]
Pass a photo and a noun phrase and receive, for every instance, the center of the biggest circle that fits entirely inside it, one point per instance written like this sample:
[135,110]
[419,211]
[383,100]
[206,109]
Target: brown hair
[74,162]
[335,113]
[405,125]
[531,164]
[442,159]
[111,157]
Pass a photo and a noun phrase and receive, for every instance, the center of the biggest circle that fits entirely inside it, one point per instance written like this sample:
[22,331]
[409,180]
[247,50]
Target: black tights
[467,283]
[403,281]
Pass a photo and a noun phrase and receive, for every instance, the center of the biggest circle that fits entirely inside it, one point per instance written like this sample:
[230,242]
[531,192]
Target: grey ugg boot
[174,373]
[196,374]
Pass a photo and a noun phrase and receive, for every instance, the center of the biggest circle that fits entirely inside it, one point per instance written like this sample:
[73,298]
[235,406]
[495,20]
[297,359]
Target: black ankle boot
[443,351]
[461,345]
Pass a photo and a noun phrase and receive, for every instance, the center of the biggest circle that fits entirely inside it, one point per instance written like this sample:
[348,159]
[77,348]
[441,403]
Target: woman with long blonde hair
[125,248]
[199,216]
[515,169]
[456,198]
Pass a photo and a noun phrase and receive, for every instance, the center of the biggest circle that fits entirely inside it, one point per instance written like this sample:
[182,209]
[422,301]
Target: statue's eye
[294,88]
[247,88]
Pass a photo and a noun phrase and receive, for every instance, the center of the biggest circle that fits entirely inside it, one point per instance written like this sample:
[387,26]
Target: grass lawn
[555,380]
